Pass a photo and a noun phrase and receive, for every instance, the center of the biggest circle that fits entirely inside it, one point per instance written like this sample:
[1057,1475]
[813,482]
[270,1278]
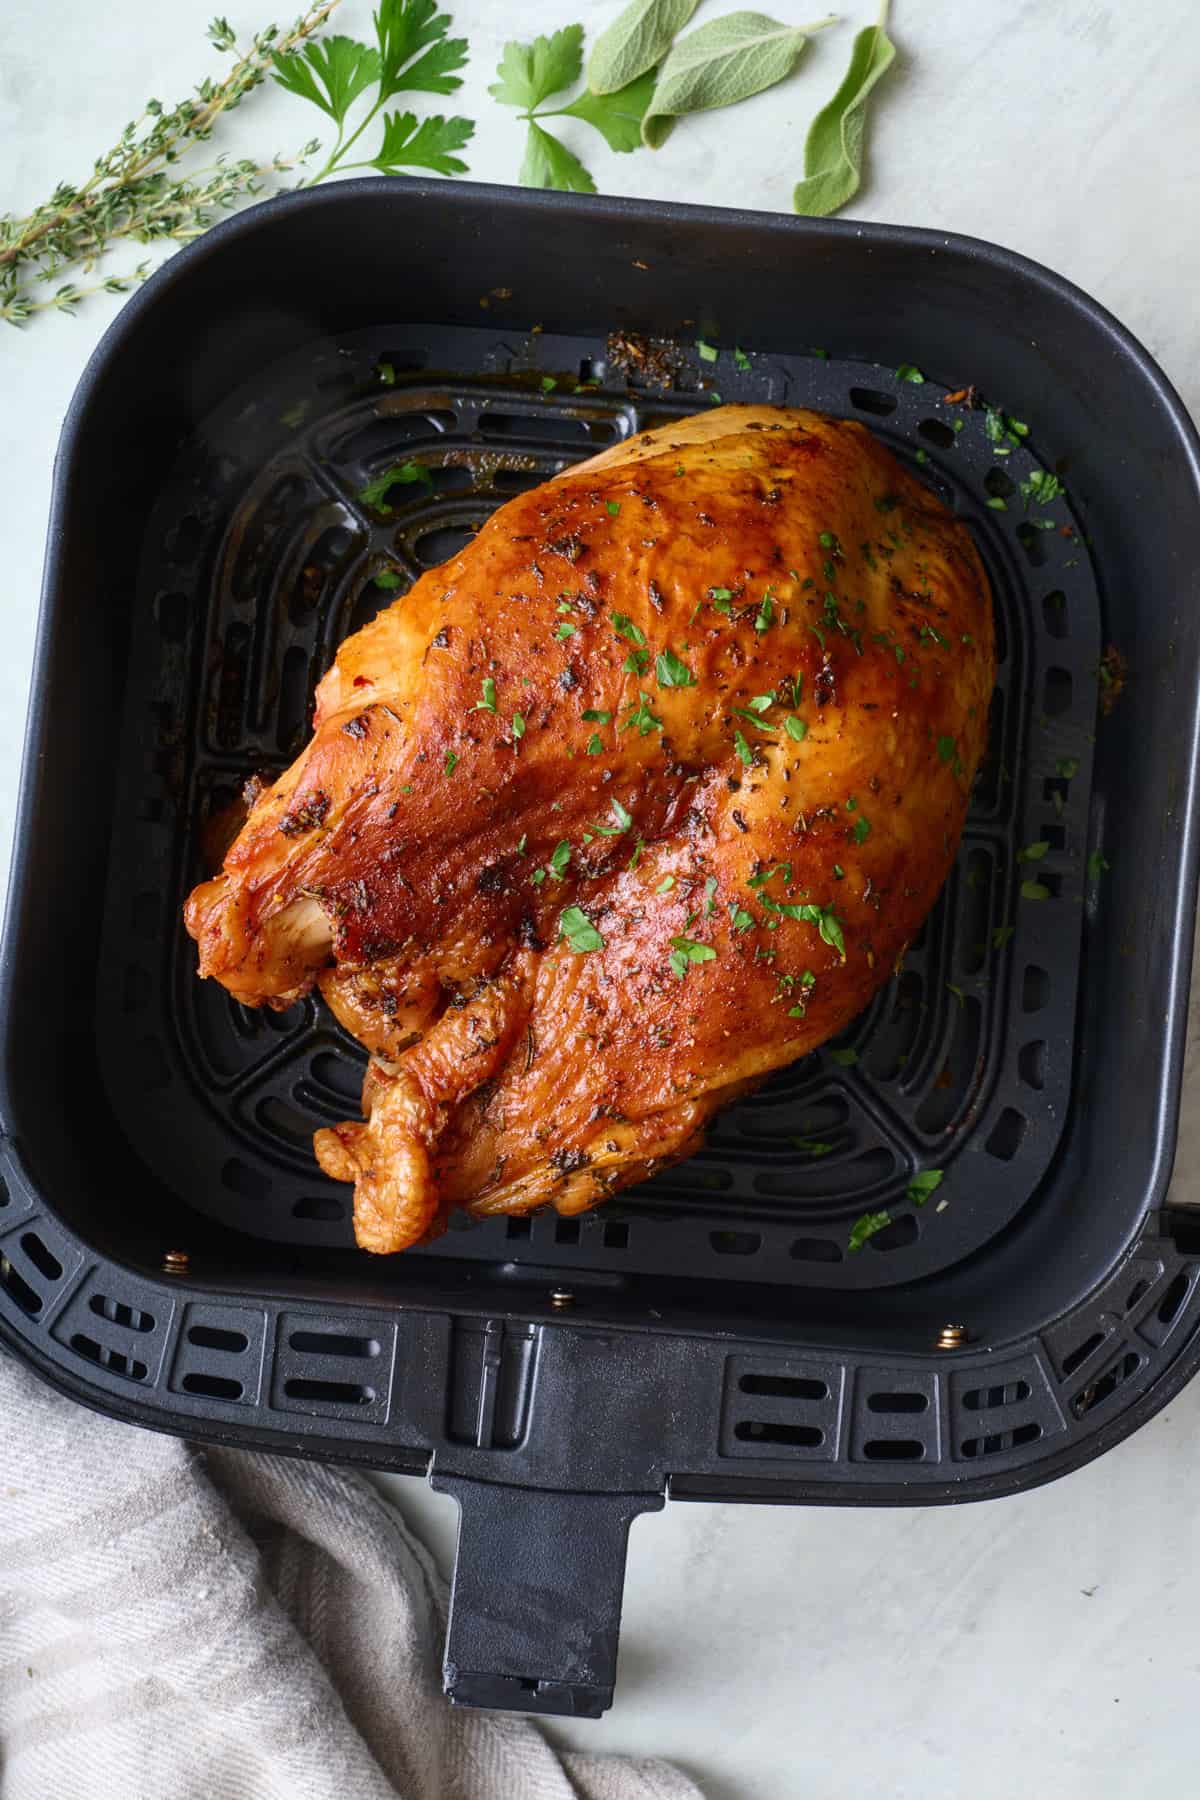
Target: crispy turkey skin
[634,801]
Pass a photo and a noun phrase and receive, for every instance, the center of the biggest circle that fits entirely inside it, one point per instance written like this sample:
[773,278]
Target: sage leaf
[833,151]
[618,116]
[721,63]
[549,164]
[635,42]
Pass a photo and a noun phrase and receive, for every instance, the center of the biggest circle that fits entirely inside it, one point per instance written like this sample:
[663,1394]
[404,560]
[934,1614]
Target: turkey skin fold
[636,800]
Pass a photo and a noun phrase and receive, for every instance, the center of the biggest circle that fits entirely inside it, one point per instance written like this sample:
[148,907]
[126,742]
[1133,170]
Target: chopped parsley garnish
[930,633]
[518,726]
[388,579]
[1034,890]
[762,703]
[751,718]
[1096,865]
[866,1227]
[739,918]
[715,398]
[997,504]
[708,352]
[623,818]
[685,950]
[910,372]
[637,662]
[636,858]
[451,763]
[375,493]
[1003,430]
[488,701]
[596,717]
[548,384]
[715,593]
[641,715]
[565,630]
[766,613]
[624,627]
[538,876]
[612,508]
[386,373]
[862,829]
[922,1185]
[946,749]
[521,843]
[1033,852]
[665,885]
[581,935]
[823,917]
[594,746]
[670,672]
[828,541]
[839,874]
[1043,487]
[710,888]
[560,858]
[740,359]
[743,749]
[795,728]
[845,1059]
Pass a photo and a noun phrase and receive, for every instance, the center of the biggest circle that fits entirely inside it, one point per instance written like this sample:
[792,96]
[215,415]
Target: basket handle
[535,1606]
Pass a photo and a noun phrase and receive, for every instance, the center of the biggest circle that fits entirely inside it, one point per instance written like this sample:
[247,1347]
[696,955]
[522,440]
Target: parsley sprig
[530,74]
[412,54]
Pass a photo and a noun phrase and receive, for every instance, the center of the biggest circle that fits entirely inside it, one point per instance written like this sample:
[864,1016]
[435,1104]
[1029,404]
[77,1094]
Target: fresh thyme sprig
[134,191]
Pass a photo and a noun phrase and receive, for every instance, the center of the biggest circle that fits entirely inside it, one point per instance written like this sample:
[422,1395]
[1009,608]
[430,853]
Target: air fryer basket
[710,1334]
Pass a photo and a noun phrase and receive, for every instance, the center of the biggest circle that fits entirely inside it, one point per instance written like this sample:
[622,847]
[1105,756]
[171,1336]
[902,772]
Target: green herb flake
[389,580]
[612,508]
[594,746]
[665,885]
[560,858]
[518,726]
[386,374]
[866,1227]
[538,876]
[862,829]
[924,1184]
[1034,890]
[811,1146]
[1097,864]
[739,918]
[594,716]
[564,630]
[997,504]
[636,858]
[488,701]
[710,888]
[766,613]
[795,728]
[450,763]
[910,372]
[548,384]
[399,475]
[670,672]
[1067,767]
[685,951]
[708,352]
[521,843]
[1001,935]
[1033,852]
[743,749]
[581,935]
[642,718]
[625,628]
[1043,487]
[740,359]
[946,749]
[845,1059]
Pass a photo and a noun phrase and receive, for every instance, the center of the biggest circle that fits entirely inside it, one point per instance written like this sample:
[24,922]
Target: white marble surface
[1051,1640]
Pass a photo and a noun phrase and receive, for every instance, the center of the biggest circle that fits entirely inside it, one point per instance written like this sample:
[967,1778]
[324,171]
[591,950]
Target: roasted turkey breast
[637,799]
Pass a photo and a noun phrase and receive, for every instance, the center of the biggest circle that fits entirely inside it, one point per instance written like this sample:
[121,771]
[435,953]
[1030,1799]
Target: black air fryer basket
[169,1250]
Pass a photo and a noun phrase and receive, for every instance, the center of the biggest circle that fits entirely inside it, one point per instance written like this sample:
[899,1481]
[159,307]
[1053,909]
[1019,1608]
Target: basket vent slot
[1105,1386]
[19,1290]
[115,1361]
[997,1441]
[760,1431]
[337,1393]
[117,1312]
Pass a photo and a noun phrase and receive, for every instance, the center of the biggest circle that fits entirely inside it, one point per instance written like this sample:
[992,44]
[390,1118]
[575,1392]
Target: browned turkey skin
[636,800]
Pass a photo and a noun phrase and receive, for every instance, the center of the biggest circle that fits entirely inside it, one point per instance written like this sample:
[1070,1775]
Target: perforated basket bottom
[259,560]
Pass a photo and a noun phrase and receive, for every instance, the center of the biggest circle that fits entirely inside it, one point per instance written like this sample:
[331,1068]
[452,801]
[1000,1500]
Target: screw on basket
[952,1337]
[175,1262]
[561,1297]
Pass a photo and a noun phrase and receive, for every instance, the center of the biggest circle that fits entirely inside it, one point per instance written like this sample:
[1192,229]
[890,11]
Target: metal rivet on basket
[561,1297]
[952,1337]
[175,1262]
